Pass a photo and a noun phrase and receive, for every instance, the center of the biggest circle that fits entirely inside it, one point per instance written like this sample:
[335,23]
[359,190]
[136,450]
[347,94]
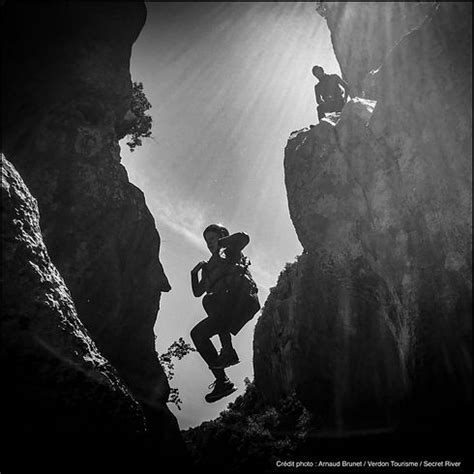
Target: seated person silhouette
[329,94]
[230,302]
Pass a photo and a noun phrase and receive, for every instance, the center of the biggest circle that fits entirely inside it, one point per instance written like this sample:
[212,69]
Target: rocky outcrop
[54,379]
[67,91]
[332,321]
[372,324]
[363,33]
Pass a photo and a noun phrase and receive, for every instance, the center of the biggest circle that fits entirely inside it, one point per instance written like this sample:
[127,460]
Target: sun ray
[228,83]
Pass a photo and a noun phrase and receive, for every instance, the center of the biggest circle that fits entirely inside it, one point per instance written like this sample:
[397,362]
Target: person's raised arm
[317,95]
[198,287]
[235,242]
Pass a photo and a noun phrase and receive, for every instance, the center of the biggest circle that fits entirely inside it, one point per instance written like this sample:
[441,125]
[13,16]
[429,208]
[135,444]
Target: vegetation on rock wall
[250,433]
[141,126]
[176,350]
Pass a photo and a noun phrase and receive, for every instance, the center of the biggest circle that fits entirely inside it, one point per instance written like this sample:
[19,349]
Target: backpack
[240,278]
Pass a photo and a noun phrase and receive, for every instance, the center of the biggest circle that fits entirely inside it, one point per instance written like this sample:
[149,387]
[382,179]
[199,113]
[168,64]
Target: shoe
[225,359]
[220,390]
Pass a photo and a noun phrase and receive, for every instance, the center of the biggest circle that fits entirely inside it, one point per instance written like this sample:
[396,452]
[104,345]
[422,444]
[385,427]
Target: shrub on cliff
[141,125]
[177,350]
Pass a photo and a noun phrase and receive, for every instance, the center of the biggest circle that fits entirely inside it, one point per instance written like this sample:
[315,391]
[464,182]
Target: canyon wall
[372,324]
[66,90]
[364,33]
[55,381]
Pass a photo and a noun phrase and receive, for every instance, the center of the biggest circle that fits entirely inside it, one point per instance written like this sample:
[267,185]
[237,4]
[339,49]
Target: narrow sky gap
[228,82]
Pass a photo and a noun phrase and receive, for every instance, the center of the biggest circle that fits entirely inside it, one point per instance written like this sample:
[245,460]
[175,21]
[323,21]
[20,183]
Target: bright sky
[228,83]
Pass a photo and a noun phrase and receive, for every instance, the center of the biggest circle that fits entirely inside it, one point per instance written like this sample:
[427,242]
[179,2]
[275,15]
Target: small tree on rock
[178,350]
[141,124]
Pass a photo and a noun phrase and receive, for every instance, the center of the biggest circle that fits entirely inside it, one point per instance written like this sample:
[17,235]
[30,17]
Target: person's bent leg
[201,335]
[226,341]
[228,355]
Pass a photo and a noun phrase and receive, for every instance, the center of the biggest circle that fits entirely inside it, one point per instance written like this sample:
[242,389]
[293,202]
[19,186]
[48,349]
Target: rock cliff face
[363,34]
[66,91]
[54,379]
[373,321]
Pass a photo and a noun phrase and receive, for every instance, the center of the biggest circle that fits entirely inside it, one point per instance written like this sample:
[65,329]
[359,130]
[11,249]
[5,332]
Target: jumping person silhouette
[329,96]
[230,302]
